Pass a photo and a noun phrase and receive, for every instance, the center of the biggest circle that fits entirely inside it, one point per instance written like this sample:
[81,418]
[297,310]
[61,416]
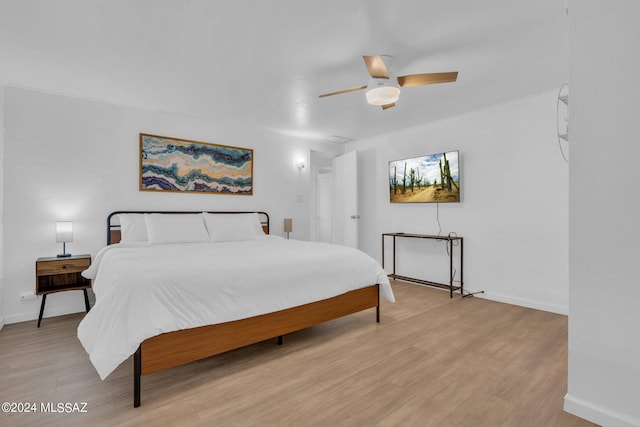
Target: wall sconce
[64,234]
[288,226]
[300,163]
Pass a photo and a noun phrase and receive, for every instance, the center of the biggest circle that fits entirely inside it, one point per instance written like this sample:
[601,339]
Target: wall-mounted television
[434,178]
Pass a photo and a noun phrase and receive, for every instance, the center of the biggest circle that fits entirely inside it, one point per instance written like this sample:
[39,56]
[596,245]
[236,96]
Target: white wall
[514,210]
[1,201]
[604,318]
[72,159]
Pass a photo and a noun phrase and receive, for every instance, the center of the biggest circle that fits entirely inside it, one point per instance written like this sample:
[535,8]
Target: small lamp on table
[288,226]
[64,234]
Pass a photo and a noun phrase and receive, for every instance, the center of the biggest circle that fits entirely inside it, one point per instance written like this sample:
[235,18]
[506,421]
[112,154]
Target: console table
[450,243]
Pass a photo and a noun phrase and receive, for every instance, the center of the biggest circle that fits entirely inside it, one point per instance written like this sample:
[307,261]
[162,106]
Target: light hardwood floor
[431,361]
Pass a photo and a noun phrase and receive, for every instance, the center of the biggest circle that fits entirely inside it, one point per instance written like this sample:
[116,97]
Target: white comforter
[145,290]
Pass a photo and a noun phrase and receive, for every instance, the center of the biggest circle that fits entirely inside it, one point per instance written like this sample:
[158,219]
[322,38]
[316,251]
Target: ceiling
[266,62]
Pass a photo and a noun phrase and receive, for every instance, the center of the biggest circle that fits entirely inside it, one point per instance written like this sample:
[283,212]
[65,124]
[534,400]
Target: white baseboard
[597,414]
[1,322]
[49,312]
[523,302]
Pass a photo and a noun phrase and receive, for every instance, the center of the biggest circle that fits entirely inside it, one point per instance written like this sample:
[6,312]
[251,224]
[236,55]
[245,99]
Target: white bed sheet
[144,290]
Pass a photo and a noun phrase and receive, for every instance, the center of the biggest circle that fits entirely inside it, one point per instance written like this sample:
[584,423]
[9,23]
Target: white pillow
[133,228]
[233,227]
[176,228]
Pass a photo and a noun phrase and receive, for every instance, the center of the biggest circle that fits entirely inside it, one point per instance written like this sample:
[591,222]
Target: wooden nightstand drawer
[55,274]
[62,266]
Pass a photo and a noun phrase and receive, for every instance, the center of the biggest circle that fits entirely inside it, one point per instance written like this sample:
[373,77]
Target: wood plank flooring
[432,361]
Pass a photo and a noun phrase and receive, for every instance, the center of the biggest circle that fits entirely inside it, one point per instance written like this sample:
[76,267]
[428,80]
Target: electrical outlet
[26,296]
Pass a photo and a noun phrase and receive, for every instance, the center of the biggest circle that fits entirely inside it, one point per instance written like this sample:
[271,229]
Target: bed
[176,287]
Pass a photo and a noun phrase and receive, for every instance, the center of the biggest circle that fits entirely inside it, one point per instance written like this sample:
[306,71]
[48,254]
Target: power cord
[453,276]
[456,242]
[446,245]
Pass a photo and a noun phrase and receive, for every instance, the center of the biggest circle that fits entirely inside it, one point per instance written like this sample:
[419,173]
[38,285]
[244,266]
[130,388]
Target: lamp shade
[288,225]
[64,231]
[383,95]
[382,91]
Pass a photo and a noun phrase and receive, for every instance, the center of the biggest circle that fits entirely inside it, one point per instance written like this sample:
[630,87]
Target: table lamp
[288,226]
[64,234]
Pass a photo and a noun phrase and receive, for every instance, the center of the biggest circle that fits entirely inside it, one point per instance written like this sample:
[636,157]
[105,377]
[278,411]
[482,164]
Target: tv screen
[425,179]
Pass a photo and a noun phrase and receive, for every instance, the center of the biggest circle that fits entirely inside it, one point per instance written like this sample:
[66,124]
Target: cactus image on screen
[430,178]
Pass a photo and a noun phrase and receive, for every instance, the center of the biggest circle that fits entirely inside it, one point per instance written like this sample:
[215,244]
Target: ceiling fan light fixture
[382,92]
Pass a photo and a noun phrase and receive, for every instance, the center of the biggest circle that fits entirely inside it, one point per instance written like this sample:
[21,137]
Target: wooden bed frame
[179,347]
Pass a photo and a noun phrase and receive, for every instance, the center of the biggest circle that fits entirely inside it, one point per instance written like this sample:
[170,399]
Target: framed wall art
[181,165]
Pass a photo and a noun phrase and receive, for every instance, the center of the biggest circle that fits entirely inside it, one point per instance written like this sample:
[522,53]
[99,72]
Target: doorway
[321,199]
[324,206]
[334,213]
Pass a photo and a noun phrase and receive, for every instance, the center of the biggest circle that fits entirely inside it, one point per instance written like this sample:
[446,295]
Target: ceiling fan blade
[427,79]
[387,106]
[353,89]
[377,68]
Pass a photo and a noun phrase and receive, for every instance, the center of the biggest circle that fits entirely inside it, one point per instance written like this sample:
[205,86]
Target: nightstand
[55,274]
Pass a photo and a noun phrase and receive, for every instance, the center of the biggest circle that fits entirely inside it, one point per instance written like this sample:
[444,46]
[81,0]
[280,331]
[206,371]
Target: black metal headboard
[113,230]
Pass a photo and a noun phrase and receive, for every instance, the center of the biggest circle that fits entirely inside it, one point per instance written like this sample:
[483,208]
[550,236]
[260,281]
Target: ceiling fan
[384,87]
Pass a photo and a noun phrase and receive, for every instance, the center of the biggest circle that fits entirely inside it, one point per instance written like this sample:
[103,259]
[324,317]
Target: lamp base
[63,255]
